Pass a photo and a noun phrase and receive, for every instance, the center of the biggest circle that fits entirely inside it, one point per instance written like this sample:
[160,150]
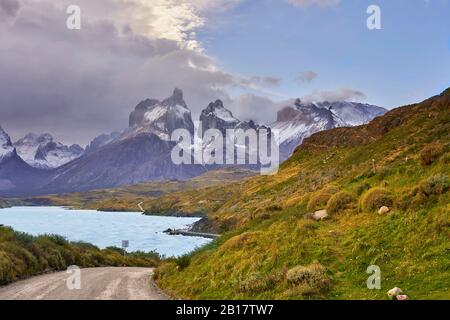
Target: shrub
[430,153]
[183,261]
[311,279]
[318,201]
[445,159]
[22,255]
[320,198]
[338,202]
[375,198]
[362,187]
[331,189]
[434,185]
[258,283]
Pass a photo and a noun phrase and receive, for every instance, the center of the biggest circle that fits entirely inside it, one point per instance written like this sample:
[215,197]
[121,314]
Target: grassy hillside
[126,198]
[22,255]
[272,248]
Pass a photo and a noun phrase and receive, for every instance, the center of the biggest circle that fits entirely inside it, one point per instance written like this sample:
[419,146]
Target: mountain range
[41,151]
[301,120]
[37,164]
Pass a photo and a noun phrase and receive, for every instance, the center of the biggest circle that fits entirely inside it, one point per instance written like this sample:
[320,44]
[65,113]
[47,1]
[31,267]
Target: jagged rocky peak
[6,147]
[175,99]
[101,141]
[42,151]
[161,117]
[216,116]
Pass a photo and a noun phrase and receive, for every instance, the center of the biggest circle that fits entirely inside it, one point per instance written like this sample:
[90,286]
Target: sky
[255,55]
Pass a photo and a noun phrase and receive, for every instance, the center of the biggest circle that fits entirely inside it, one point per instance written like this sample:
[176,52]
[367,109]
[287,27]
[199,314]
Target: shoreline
[188,233]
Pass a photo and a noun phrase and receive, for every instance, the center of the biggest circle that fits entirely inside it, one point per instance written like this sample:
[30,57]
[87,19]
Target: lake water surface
[103,229]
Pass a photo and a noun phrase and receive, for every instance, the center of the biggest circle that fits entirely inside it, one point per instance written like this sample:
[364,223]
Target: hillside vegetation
[271,247]
[22,255]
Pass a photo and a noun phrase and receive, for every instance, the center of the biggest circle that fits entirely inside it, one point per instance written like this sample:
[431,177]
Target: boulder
[384,210]
[393,293]
[320,215]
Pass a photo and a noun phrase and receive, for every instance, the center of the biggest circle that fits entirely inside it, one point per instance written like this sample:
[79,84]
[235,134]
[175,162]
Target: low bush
[256,283]
[435,185]
[375,198]
[339,202]
[319,199]
[310,279]
[183,262]
[22,255]
[430,153]
[362,187]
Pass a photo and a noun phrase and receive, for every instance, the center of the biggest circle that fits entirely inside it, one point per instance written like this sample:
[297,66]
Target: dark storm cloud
[79,83]
[9,7]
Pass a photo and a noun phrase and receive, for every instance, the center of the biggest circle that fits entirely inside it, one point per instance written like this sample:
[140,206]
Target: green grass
[411,244]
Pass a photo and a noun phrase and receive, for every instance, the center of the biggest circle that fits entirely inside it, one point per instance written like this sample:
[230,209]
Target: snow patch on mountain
[41,151]
[160,117]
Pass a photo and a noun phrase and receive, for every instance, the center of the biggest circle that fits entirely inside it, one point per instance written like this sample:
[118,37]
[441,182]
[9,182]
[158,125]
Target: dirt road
[94,284]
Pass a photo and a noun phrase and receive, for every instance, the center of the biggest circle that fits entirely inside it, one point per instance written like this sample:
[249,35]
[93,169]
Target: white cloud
[342,94]
[260,109]
[306,76]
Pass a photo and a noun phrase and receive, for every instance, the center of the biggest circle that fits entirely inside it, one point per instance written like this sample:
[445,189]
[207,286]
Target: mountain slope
[144,157]
[272,248]
[16,176]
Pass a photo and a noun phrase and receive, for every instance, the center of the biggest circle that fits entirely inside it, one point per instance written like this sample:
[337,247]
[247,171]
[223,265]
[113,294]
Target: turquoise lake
[104,229]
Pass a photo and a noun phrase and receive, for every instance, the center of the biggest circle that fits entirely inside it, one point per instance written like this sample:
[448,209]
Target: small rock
[320,215]
[402,297]
[394,292]
[384,210]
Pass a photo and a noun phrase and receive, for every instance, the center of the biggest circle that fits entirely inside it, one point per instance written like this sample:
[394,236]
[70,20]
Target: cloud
[80,83]
[342,94]
[260,109]
[9,7]
[306,77]
[302,3]
[259,81]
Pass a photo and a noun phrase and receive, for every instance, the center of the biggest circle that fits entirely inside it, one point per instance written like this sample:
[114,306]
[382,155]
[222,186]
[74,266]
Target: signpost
[125,245]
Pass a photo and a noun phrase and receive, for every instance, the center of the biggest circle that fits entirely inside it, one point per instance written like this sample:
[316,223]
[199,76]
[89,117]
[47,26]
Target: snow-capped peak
[300,120]
[217,110]
[161,117]
[41,151]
